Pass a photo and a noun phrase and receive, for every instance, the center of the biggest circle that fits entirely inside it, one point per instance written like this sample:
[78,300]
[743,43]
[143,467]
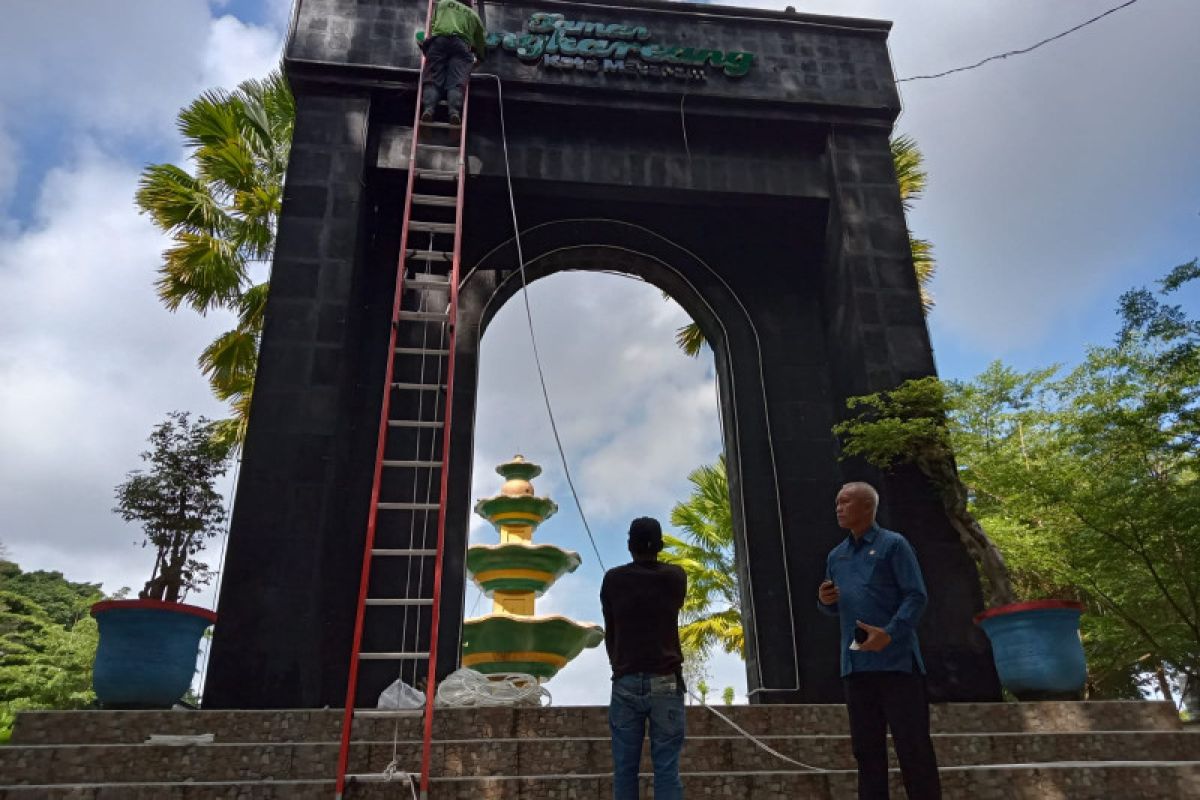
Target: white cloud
[237,51]
[1057,178]
[89,361]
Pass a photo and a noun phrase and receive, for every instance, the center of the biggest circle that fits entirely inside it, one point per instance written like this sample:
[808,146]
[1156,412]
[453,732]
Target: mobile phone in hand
[860,636]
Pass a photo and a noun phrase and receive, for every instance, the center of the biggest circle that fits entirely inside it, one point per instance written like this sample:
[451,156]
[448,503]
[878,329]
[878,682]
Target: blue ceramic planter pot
[1037,649]
[147,652]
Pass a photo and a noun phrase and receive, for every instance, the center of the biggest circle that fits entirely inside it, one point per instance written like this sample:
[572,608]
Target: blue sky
[1057,180]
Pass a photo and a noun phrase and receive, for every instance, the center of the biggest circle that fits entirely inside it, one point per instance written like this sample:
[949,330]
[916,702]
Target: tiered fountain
[514,573]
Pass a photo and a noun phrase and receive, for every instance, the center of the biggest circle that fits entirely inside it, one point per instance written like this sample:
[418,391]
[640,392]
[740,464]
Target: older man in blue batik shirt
[873,585]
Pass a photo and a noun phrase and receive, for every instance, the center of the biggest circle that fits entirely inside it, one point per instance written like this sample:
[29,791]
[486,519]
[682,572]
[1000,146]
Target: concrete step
[101,727]
[75,763]
[1103,781]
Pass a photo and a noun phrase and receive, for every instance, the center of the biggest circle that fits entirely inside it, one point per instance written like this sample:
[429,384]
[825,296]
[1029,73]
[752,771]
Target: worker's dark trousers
[877,701]
[448,62]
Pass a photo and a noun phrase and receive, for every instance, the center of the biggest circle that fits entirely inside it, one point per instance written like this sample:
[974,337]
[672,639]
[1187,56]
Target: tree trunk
[954,501]
[1164,685]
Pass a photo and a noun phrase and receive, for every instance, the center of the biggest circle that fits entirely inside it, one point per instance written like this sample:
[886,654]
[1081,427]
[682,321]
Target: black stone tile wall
[294,532]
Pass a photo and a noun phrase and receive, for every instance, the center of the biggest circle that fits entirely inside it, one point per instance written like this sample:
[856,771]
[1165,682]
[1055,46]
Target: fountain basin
[538,646]
[518,567]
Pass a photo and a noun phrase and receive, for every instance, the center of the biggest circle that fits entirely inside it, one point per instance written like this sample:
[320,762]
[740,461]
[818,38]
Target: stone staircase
[1059,751]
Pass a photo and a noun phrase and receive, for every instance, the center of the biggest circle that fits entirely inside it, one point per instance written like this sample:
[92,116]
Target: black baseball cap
[645,534]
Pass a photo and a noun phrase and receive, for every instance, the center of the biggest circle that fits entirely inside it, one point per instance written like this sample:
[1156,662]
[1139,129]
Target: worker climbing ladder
[406,520]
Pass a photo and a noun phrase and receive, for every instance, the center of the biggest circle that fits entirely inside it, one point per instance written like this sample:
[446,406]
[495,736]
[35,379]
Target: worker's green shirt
[452,18]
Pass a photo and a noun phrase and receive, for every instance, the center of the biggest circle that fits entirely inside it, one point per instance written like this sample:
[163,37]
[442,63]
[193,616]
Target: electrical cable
[1022,51]
[755,739]
[529,318]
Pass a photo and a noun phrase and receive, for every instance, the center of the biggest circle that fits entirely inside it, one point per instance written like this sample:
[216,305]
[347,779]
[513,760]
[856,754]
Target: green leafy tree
[176,502]
[221,218]
[45,656]
[727,695]
[1086,479]
[712,613]
[912,177]
[63,601]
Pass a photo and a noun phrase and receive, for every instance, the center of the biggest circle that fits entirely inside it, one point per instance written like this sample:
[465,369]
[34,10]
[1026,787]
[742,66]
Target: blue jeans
[635,699]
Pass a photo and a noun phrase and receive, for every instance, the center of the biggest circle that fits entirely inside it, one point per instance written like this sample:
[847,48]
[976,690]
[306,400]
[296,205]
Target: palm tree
[221,221]
[912,177]
[712,610]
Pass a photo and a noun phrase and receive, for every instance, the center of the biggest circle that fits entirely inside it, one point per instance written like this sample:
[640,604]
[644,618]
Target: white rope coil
[466,687]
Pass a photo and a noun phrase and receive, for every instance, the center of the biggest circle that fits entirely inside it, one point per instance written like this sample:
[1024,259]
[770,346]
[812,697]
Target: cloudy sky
[1058,179]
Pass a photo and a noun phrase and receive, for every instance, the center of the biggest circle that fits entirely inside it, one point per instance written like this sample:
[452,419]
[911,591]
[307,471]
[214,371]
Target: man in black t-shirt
[641,602]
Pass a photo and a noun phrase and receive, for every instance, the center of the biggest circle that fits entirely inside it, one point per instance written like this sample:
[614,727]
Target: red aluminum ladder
[411,454]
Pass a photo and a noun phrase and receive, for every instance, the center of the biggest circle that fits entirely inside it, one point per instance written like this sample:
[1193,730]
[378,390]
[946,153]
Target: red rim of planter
[1032,605]
[162,605]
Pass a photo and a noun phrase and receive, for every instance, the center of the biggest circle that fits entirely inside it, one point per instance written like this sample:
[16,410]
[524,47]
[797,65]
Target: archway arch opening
[635,415]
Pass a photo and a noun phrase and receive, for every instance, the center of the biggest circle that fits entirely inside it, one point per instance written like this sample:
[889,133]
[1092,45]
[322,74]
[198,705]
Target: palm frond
[252,306]
[690,339]
[230,361]
[210,120]
[910,170]
[201,271]
[177,201]
[924,266]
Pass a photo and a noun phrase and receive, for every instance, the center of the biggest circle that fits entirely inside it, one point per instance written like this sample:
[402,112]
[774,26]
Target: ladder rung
[431,227]
[409,506]
[422,387]
[394,656]
[415,423]
[448,125]
[434,200]
[437,174]
[373,777]
[409,552]
[434,316]
[445,148]
[397,601]
[428,279]
[413,464]
[431,255]
[420,351]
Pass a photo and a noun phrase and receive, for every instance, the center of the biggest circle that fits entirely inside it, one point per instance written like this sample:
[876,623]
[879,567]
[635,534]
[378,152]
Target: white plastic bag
[400,695]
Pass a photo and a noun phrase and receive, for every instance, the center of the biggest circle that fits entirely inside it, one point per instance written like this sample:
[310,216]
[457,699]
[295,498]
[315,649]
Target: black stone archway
[766,204]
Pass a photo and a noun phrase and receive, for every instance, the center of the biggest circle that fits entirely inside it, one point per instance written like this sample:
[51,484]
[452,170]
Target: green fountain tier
[522,511]
[538,646]
[518,567]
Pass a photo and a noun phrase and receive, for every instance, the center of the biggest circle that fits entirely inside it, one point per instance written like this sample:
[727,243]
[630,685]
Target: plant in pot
[1036,645]
[147,652]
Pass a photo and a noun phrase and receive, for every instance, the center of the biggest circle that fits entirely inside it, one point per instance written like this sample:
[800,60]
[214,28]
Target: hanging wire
[1022,51]
[529,318]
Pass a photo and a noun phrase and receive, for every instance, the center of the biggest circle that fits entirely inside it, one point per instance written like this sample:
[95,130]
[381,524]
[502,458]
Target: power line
[1019,52]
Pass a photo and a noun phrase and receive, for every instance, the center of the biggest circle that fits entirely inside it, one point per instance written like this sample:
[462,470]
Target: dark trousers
[876,702]
[448,62]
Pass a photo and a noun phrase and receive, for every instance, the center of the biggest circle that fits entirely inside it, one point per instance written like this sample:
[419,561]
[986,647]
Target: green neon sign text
[551,35]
